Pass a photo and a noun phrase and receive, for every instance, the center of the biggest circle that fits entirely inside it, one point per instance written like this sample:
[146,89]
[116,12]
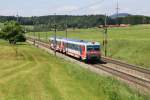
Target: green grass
[29,27]
[28,73]
[131,44]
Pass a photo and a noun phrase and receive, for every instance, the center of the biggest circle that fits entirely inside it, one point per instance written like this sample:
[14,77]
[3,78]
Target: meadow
[130,44]
[28,73]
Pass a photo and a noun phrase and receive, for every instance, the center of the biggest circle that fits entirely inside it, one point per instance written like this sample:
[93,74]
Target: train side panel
[73,50]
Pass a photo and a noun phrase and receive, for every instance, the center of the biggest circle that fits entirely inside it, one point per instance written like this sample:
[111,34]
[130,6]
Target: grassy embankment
[28,73]
[131,44]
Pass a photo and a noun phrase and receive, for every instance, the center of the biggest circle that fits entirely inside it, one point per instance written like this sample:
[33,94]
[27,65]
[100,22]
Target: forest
[47,23]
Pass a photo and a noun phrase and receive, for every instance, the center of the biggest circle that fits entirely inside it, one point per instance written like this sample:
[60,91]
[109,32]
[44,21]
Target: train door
[83,52]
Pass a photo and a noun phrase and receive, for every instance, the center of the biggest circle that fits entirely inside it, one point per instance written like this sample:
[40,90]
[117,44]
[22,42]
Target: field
[28,73]
[130,44]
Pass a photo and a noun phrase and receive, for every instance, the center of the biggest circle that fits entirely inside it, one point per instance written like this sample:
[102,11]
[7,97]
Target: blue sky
[76,7]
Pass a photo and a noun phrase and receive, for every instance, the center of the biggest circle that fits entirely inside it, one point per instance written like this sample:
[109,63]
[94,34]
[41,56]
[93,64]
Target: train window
[68,45]
[89,48]
[76,46]
[95,48]
[73,46]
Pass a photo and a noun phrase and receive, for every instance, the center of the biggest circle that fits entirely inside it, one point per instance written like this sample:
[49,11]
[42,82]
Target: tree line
[134,20]
[46,23]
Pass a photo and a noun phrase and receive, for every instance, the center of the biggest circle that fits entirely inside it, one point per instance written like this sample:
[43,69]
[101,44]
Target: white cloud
[8,12]
[95,7]
[66,9]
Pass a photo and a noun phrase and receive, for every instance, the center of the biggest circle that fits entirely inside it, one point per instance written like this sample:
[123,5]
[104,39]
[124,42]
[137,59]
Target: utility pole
[55,32]
[105,36]
[17,17]
[34,32]
[35,29]
[38,25]
[117,11]
[39,36]
[66,26]
[34,38]
[46,37]
[49,24]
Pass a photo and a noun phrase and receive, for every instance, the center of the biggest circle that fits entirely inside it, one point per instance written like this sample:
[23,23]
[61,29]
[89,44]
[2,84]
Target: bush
[13,32]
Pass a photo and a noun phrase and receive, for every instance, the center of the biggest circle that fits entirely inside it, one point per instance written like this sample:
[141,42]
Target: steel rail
[130,66]
[125,76]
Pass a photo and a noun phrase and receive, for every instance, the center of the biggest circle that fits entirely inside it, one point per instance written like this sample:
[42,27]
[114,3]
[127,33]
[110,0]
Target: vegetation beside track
[130,44]
[31,74]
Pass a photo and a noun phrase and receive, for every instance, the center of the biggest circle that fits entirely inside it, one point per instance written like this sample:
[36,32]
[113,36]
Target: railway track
[131,73]
[130,66]
[125,76]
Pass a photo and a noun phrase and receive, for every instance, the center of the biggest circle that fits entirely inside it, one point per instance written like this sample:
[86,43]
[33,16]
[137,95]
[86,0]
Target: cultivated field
[28,73]
[131,44]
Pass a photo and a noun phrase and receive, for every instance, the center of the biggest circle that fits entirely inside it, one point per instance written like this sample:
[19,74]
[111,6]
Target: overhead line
[85,7]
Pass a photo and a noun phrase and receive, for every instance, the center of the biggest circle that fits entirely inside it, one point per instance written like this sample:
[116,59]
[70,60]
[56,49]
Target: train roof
[80,42]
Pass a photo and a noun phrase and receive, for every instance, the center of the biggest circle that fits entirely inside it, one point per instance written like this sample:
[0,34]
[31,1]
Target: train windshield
[93,48]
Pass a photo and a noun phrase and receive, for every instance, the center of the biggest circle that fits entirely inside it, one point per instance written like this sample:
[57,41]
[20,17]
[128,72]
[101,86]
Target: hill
[120,15]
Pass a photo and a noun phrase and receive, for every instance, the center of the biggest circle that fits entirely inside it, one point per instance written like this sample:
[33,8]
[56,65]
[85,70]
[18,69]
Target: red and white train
[83,50]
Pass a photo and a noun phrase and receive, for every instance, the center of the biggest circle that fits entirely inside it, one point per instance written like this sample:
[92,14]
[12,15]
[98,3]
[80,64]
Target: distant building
[111,26]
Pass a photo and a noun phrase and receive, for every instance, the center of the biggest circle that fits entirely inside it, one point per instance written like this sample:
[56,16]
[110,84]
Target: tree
[13,32]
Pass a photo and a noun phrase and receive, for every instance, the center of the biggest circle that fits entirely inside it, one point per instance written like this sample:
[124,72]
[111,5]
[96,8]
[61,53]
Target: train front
[93,51]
